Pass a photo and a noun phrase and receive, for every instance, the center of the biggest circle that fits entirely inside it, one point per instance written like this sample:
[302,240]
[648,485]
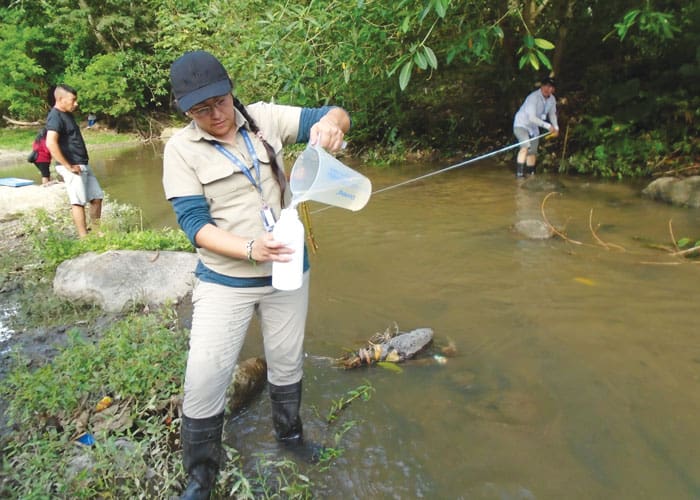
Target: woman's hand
[330,130]
[265,248]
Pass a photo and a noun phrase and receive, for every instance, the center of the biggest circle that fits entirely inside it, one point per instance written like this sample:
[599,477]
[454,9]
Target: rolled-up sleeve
[307,119]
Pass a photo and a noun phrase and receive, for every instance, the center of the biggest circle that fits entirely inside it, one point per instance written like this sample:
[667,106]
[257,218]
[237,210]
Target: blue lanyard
[244,168]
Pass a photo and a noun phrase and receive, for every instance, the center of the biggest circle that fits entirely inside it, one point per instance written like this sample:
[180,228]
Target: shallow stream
[577,373]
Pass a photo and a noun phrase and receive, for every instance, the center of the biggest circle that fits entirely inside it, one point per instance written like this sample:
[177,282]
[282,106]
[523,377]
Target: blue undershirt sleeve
[192,214]
[308,117]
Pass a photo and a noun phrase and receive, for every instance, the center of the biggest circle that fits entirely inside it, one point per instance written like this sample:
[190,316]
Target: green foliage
[20,88]
[429,73]
[477,46]
[648,29]
[104,86]
[532,52]
[53,239]
[690,247]
[363,392]
[91,370]
[613,149]
[139,361]
[17,139]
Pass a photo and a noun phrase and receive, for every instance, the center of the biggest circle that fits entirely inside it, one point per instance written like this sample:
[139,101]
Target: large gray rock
[118,278]
[681,192]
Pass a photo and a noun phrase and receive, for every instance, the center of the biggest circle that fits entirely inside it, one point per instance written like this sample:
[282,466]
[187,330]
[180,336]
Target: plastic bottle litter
[290,231]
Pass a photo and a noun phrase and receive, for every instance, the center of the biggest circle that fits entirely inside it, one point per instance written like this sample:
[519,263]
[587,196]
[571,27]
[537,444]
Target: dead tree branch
[549,224]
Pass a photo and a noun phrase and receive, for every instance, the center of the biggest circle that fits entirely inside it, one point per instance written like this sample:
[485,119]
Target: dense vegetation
[447,74]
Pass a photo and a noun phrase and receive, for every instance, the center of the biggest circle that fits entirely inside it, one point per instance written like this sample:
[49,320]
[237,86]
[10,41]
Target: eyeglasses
[206,111]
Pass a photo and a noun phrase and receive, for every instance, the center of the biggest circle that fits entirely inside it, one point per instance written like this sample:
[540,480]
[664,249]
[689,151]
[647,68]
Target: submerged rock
[534,229]
[542,183]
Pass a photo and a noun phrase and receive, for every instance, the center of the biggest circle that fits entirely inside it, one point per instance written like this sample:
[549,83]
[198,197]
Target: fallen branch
[554,229]
[674,251]
[673,237]
[687,251]
[391,346]
[607,246]
[20,123]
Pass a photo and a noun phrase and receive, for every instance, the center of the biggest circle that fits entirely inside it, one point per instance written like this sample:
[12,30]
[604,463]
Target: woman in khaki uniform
[224,175]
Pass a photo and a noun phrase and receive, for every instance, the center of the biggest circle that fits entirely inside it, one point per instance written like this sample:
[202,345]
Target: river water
[577,366]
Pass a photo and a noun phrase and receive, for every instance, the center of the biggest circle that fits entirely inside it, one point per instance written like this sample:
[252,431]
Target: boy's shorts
[82,188]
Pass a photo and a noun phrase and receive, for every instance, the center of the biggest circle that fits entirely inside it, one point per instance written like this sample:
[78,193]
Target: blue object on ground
[15,182]
[87,439]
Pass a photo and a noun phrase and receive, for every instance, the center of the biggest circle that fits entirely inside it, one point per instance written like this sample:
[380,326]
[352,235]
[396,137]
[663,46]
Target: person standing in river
[539,110]
[223,174]
[65,141]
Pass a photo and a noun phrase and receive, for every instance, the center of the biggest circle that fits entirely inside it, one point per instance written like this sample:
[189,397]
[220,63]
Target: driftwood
[390,346]
[20,123]
[674,251]
[249,380]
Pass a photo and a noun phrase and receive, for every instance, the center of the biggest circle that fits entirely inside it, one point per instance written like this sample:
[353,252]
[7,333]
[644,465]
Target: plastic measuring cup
[319,176]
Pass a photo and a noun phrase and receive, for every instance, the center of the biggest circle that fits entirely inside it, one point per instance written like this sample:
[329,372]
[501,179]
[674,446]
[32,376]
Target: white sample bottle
[290,231]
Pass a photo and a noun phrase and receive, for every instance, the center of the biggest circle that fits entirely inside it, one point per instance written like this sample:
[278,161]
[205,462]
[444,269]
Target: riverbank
[16,144]
[71,373]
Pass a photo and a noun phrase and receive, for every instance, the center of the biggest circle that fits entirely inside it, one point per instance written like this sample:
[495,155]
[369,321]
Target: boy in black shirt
[65,141]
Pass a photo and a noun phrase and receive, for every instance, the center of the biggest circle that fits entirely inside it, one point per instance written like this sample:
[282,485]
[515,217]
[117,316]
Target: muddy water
[577,372]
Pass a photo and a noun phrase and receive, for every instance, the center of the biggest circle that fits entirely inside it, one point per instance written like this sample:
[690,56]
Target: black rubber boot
[201,454]
[520,170]
[530,170]
[286,401]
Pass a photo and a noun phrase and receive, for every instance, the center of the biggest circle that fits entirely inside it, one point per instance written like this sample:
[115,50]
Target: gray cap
[198,76]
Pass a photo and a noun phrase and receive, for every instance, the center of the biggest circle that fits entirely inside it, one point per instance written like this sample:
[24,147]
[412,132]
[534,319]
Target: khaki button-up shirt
[192,166]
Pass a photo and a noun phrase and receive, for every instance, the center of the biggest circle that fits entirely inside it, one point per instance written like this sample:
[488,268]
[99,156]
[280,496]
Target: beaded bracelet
[249,251]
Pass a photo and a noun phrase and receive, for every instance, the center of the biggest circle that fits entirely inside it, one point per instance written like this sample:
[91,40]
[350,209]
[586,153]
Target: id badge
[268,218]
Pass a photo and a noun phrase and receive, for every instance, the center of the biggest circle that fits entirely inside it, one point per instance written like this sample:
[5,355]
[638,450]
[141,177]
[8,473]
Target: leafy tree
[21,87]
[445,73]
[105,87]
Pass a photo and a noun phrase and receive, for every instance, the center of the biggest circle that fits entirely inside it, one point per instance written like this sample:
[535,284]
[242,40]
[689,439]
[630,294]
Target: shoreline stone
[683,192]
[118,279]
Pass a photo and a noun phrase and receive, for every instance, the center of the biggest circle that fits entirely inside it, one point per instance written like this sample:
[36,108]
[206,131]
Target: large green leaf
[544,44]
[420,60]
[430,56]
[405,75]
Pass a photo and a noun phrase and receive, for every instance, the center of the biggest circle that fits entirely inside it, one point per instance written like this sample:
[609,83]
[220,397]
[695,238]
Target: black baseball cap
[548,80]
[198,76]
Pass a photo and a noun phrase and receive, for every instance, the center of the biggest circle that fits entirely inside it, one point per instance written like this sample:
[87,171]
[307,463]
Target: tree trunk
[560,45]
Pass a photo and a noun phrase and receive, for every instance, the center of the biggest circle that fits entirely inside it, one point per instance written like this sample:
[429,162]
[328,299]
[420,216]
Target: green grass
[17,139]
[137,359]
[21,139]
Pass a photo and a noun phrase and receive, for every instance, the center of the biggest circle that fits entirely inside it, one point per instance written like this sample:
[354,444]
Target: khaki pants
[220,322]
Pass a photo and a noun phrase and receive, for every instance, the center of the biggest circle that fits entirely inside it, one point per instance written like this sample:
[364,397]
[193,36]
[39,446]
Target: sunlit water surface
[577,372]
